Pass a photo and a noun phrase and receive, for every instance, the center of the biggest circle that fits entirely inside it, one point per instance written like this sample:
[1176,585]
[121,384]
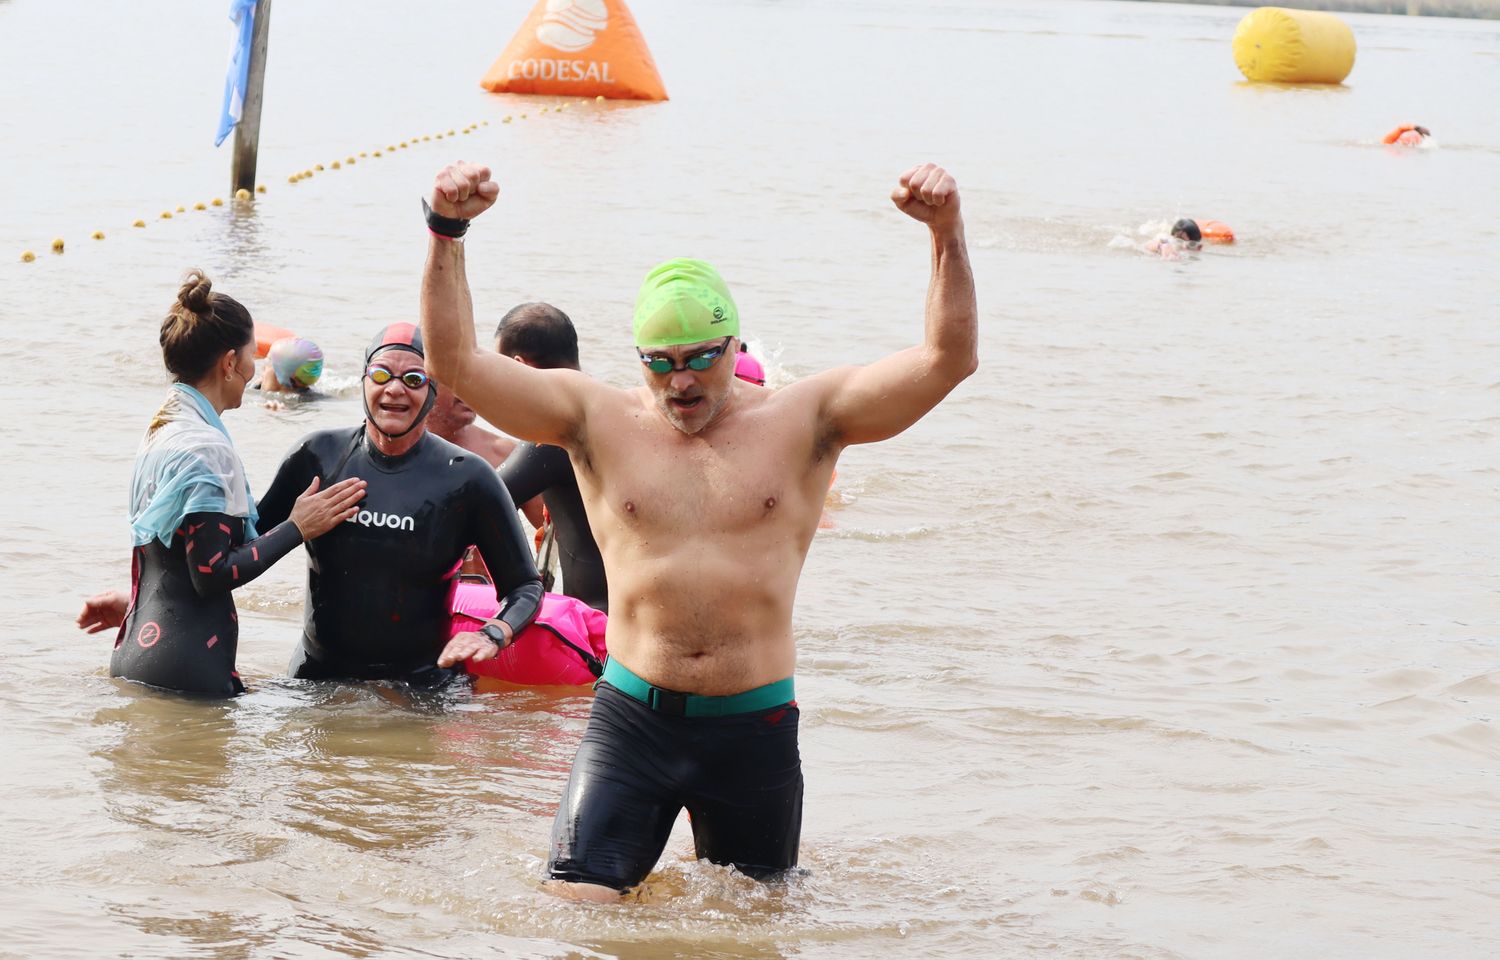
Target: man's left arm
[877,401]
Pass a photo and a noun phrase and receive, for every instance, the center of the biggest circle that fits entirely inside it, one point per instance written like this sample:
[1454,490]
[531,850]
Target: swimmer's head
[682,302]
[398,394]
[396,336]
[1187,231]
[208,338]
[749,369]
[297,363]
[539,335]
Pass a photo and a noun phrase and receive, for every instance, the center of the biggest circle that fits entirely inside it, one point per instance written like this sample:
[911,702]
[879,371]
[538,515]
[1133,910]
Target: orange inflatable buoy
[267,334]
[578,48]
[1216,231]
[1408,134]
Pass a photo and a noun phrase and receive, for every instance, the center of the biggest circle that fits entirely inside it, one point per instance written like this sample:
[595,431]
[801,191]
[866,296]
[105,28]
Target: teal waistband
[691,704]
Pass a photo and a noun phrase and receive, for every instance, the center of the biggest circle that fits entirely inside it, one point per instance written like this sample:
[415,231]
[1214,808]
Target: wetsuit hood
[398,336]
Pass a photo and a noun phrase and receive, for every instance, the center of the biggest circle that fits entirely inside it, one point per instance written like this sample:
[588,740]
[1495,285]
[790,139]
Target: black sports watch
[495,635]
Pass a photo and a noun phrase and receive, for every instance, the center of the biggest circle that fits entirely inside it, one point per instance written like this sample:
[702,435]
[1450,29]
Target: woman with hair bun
[192,518]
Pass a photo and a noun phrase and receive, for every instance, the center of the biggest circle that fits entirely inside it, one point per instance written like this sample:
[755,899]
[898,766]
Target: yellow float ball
[217,201]
[450,133]
[200,205]
[57,245]
[166,214]
[242,194]
[349,161]
[27,256]
[377,153]
[599,98]
[260,188]
[98,234]
[139,223]
[337,166]
[181,209]
[506,120]
[293,178]
[1276,45]
[426,138]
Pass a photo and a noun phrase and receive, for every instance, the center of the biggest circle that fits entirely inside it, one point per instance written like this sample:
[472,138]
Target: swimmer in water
[705,493]
[292,365]
[1407,135]
[195,529]
[541,336]
[379,587]
[1184,236]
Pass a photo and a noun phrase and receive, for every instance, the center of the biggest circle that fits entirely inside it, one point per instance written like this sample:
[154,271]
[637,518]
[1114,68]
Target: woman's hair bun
[196,292]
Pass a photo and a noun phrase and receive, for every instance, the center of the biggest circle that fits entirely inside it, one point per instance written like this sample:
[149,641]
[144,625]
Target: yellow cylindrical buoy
[57,245]
[1277,45]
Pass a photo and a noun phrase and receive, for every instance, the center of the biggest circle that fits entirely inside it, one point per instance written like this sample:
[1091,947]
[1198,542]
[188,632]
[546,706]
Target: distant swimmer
[379,587]
[541,336]
[292,365]
[704,492]
[194,526]
[1407,135]
[1184,236]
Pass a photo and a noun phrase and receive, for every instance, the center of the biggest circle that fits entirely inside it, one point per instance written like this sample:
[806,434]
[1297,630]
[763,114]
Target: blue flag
[242,14]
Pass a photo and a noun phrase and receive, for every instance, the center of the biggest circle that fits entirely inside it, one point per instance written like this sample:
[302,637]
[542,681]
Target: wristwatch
[495,634]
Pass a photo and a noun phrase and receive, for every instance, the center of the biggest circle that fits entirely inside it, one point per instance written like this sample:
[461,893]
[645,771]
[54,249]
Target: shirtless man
[704,492]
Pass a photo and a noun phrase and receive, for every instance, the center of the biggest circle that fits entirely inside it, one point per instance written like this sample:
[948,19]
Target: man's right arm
[546,406]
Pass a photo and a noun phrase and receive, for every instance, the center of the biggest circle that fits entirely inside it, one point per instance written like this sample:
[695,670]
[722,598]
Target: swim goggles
[699,361]
[411,379]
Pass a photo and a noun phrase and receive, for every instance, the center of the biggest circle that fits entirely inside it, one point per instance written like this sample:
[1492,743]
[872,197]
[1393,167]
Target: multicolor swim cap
[397,336]
[296,362]
[747,368]
[684,301]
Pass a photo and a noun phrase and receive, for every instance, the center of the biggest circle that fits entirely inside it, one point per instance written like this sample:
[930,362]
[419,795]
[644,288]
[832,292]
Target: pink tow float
[564,647]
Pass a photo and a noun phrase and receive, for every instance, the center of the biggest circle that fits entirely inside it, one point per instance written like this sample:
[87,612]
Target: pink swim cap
[749,369]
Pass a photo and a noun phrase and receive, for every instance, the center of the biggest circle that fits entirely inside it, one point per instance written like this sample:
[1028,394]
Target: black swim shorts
[739,776]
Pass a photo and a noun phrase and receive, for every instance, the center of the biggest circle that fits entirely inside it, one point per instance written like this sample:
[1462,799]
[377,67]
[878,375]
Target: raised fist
[928,194]
[463,190]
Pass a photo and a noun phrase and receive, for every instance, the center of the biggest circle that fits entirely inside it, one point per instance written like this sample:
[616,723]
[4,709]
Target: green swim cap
[684,301]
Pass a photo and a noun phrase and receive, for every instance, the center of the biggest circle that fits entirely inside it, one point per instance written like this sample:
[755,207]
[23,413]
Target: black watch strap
[451,227]
[495,634]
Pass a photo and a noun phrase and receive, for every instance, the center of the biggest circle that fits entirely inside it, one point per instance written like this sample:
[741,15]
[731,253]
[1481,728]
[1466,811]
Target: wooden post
[247,131]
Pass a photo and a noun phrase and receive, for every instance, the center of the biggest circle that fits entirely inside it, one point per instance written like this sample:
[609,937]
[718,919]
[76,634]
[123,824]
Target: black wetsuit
[379,586]
[533,469]
[182,631]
